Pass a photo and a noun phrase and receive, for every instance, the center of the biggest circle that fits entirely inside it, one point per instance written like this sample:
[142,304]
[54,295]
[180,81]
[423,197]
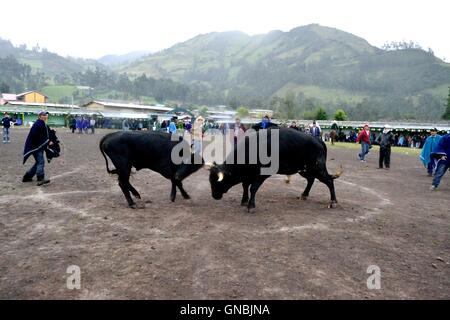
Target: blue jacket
[37,139]
[442,149]
[428,147]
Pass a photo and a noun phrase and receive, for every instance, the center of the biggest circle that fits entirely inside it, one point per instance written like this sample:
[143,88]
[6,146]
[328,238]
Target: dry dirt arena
[208,249]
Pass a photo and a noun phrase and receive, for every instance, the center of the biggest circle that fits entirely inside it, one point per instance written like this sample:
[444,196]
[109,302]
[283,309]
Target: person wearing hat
[6,122]
[315,130]
[35,145]
[430,143]
[364,139]
[386,140]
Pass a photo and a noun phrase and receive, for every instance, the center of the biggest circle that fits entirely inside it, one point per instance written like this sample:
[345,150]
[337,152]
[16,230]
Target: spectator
[92,125]
[315,130]
[364,139]
[430,144]
[35,145]
[441,155]
[6,122]
[125,125]
[197,135]
[385,140]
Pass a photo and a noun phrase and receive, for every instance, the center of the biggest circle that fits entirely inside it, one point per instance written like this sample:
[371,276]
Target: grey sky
[93,28]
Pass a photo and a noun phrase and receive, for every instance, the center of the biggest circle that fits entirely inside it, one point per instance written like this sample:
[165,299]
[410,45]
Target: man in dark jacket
[6,122]
[386,140]
[35,145]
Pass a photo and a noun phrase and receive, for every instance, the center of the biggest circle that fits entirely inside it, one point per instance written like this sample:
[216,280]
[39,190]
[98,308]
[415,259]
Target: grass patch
[56,93]
[356,146]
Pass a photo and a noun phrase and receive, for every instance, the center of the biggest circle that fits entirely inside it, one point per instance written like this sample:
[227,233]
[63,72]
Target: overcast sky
[93,28]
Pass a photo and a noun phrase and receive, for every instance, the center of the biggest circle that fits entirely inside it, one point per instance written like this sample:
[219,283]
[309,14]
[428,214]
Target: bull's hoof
[303,198]
[186,196]
[244,203]
[332,205]
[250,207]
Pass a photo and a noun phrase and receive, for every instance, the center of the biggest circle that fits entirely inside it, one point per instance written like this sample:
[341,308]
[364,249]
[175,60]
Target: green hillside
[326,64]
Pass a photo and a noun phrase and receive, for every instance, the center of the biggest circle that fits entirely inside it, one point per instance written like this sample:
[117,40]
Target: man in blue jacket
[35,145]
[442,155]
[431,142]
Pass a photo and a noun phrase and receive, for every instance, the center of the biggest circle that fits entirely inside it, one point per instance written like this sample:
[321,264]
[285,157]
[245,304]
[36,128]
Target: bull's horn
[221,176]
[288,179]
[208,165]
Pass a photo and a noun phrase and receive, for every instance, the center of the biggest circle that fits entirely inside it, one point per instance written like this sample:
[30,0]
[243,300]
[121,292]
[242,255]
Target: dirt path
[203,248]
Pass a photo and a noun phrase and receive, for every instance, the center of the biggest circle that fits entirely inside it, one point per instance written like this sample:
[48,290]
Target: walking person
[441,154]
[386,140]
[364,139]
[35,145]
[6,122]
[430,144]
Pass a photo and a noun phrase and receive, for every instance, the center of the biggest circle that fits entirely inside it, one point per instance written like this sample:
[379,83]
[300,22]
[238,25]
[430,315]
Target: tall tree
[340,115]
[321,114]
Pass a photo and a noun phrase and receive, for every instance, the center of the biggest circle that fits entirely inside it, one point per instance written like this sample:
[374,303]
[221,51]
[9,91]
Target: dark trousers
[385,157]
[38,167]
[441,169]
[430,167]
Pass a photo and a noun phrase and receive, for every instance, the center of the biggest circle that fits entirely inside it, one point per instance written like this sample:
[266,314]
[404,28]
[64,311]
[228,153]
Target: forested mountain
[295,73]
[115,59]
[329,66]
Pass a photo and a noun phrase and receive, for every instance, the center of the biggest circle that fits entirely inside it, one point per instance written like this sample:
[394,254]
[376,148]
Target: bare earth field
[208,249]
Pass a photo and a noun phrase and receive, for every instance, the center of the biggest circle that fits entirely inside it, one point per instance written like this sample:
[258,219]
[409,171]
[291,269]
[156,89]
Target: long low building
[108,106]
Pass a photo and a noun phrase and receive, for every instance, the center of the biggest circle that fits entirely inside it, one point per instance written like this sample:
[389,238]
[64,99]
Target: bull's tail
[114,171]
[338,173]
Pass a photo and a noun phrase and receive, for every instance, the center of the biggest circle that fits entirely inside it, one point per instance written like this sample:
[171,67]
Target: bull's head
[220,180]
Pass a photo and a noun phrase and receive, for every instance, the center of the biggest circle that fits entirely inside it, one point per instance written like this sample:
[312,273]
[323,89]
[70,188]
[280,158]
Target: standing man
[442,155]
[386,140]
[6,122]
[35,145]
[430,143]
[238,130]
[92,125]
[364,139]
[315,130]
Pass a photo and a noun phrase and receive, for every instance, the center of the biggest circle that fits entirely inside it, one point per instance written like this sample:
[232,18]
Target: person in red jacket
[364,139]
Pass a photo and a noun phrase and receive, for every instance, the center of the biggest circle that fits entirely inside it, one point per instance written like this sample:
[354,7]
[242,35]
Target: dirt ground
[208,249]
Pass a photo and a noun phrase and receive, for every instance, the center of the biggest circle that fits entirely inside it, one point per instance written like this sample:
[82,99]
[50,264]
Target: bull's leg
[310,180]
[124,185]
[184,194]
[134,191]
[253,189]
[329,182]
[244,201]
[173,193]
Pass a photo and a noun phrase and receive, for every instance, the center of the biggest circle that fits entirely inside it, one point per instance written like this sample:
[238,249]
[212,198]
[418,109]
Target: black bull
[298,153]
[146,150]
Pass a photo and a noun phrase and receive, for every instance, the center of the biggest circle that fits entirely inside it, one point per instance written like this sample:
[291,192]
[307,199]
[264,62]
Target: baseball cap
[43,113]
